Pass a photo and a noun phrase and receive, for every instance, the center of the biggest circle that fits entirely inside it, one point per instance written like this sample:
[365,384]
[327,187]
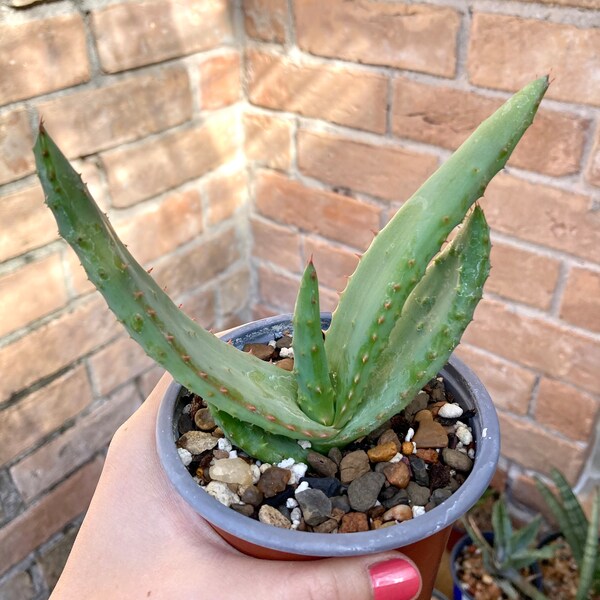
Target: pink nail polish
[395,579]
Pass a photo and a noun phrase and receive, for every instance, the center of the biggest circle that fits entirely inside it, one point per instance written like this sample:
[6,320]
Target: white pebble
[264,467]
[233,454]
[409,435]
[255,473]
[304,444]
[450,411]
[185,456]
[286,463]
[273,344]
[303,486]
[396,458]
[286,353]
[186,409]
[471,453]
[220,491]
[464,434]
[291,503]
[224,444]
[298,472]
[414,447]
[418,511]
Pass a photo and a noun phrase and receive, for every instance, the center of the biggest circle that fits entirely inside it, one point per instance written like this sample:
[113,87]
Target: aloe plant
[510,552]
[580,534]
[397,322]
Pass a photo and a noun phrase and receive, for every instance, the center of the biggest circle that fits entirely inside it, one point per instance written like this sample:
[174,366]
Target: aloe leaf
[236,382]
[502,530]
[315,392]
[398,256]
[589,564]
[525,537]
[433,320]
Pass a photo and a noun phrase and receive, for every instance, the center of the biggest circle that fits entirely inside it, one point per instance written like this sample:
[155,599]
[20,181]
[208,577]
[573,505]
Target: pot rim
[457,376]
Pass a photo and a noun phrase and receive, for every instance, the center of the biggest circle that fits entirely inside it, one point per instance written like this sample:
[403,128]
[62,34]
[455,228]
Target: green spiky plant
[397,322]
[580,534]
[510,552]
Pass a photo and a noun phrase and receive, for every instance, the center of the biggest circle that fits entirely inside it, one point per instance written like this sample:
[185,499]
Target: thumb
[388,576]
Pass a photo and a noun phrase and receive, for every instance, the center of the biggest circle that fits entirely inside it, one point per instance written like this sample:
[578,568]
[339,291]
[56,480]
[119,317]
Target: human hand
[140,539]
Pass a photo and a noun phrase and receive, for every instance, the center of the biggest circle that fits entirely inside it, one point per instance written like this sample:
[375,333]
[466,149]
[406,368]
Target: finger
[389,576]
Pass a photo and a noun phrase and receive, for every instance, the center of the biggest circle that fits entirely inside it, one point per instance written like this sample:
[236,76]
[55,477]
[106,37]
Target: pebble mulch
[405,468]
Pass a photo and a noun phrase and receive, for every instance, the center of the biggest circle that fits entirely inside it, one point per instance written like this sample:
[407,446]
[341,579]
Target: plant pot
[458,592]
[423,539]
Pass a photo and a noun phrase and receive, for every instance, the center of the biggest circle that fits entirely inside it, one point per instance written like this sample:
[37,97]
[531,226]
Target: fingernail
[395,579]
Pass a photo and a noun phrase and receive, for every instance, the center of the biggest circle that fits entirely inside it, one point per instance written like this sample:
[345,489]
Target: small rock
[435,407]
[389,435]
[271,516]
[185,456]
[399,513]
[285,341]
[204,420]
[262,351]
[430,434]
[219,454]
[287,364]
[382,453]
[328,526]
[419,470]
[419,402]
[408,448]
[398,474]
[439,476]
[353,465]
[252,495]
[273,481]
[321,464]
[220,491]
[354,522]
[340,503]
[330,486]
[197,441]
[185,423]
[438,391]
[335,454]
[439,495]
[429,455]
[231,470]
[363,491]
[243,509]
[450,411]
[392,497]
[417,494]
[457,460]
[417,511]
[463,433]
[315,505]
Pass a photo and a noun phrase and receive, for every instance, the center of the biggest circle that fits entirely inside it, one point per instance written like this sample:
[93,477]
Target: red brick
[445,117]
[85,122]
[149,379]
[334,265]
[593,170]
[25,423]
[141,33]
[20,302]
[276,244]
[29,221]
[16,141]
[268,140]
[337,217]
[385,171]
[154,166]
[53,461]
[506,52]
[522,275]
[42,56]
[161,228]
[343,95]
[581,300]
[277,290]
[234,292]
[198,265]
[226,193]
[565,409]
[220,83]
[531,446]
[18,587]
[200,306]
[54,346]
[594,4]
[118,363]
[48,516]
[408,36]
[544,215]
[524,490]
[508,384]
[535,342]
[266,20]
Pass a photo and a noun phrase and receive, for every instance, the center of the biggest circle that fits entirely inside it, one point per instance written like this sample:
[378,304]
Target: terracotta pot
[423,539]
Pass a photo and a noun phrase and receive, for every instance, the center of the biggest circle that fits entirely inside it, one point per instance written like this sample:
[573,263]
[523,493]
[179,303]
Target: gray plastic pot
[423,539]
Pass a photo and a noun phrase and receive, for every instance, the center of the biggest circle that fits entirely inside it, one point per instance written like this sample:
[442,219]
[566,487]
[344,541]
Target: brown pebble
[353,465]
[287,364]
[382,453]
[398,474]
[218,433]
[430,433]
[337,514]
[271,516]
[353,522]
[252,495]
[262,351]
[390,436]
[243,509]
[204,420]
[407,448]
[335,454]
[273,481]
[321,464]
[328,526]
[219,454]
[399,513]
[429,455]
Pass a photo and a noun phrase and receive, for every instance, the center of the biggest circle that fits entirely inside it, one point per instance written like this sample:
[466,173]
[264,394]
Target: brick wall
[297,126]
[362,101]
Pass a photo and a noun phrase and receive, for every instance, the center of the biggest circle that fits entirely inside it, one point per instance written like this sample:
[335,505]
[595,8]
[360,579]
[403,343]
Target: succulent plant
[580,534]
[397,322]
[510,552]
